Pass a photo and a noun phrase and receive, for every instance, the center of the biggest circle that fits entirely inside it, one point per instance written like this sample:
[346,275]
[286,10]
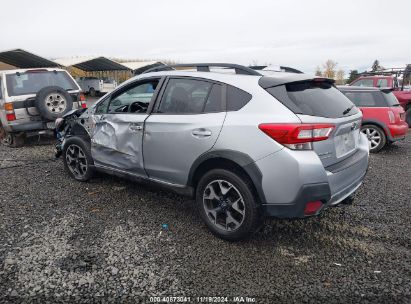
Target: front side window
[134,99]
[188,96]
[34,81]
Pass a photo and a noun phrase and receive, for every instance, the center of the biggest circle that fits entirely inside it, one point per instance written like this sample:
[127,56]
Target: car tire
[233,215]
[408,117]
[92,92]
[77,158]
[53,102]
[13,140]
[376,136]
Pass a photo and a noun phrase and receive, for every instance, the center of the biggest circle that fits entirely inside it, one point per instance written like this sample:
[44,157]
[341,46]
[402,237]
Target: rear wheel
[227,205]
[77,158]
[13,140]
[375,136]
[92,92]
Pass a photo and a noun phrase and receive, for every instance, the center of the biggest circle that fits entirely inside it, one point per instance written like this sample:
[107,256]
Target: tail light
[10,115]
[297,136]
[83,101]
[391,116]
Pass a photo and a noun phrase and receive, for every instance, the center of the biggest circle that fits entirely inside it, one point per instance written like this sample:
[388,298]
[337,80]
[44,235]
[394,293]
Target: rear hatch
[398,113]
[317,101]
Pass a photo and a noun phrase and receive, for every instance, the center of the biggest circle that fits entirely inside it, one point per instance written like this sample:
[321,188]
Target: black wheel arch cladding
[241,159]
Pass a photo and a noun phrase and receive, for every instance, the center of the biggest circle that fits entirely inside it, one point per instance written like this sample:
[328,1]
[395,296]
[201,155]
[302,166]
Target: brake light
[391,116]
[402,116]
[11,116]
[84,105]
[297,136]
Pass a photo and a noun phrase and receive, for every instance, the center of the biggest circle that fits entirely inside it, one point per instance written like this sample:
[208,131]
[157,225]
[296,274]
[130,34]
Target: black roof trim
[279,79]
[205,67]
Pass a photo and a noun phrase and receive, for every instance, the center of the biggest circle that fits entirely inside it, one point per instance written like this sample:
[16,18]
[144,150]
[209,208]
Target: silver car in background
[245,146]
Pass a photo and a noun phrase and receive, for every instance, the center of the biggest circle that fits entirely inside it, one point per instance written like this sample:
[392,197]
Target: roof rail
[205,67]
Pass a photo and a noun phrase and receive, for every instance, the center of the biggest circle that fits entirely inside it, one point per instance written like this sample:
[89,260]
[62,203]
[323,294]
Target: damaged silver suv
[243,145]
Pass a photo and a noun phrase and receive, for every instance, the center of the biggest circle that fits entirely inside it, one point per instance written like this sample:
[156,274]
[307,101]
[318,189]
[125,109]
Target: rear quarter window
[314,98]
[236,98]
[367,99]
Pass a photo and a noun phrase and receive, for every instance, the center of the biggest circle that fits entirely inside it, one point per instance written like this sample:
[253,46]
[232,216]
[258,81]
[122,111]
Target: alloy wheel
[224,205]
[76,161]
[373,136]
[56,103]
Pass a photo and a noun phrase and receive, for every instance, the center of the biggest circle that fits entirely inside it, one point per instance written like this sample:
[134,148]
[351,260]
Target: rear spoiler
[386,90]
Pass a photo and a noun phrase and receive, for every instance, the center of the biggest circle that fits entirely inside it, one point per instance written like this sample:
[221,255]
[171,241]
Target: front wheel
[227,205]
[375,136]
[77,159]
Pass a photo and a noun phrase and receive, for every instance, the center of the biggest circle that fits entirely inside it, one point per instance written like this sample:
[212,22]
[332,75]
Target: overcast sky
[298,33]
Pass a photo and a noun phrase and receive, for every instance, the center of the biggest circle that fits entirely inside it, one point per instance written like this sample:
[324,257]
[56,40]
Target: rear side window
[390,98]
[364,83]
[367,99]
[236,98]
[191,96]
[314,98]
[32,82]
[382,83]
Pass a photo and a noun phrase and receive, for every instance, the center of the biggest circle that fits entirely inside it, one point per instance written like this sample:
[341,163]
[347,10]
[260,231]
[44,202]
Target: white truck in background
[95,86]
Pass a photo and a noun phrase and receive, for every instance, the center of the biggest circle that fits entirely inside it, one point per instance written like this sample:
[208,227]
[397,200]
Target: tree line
[329,70]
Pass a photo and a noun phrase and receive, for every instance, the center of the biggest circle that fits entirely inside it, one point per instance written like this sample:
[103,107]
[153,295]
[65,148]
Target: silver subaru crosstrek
[245,146]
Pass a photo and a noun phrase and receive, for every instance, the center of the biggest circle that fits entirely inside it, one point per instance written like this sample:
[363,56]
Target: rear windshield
[314,98]
[32,82]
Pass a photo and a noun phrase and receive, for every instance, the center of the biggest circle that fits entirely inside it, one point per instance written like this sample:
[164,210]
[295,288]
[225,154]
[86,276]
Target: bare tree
[329,68]
[340,77]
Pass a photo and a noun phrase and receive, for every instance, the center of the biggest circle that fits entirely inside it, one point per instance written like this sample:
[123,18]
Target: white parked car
[96,86]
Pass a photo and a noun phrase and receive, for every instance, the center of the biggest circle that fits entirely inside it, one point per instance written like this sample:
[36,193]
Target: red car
[389,78]
[383,117]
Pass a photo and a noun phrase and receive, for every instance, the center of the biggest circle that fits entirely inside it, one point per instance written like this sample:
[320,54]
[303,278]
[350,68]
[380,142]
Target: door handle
[135,127]
[201,133]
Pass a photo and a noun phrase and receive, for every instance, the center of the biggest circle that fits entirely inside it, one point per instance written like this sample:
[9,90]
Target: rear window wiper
[346,111]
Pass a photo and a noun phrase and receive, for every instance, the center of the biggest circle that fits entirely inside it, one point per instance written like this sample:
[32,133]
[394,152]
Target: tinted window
[32,82]
[390,98]
[185,96]
[364,83]
[313,98]
[236,98]
[214,102]
[134,99]
[367,99]
[1,90]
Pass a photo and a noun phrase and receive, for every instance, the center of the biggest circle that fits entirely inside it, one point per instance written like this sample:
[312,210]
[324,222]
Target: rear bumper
[288,190]
[398,131]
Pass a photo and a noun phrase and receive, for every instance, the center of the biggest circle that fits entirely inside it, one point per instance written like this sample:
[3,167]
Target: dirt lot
[65,241]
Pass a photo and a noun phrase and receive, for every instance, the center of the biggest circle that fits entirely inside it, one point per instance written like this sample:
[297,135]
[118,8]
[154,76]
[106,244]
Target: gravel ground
[103,241]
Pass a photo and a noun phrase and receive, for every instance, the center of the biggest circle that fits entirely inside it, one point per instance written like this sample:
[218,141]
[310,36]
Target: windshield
[32,82]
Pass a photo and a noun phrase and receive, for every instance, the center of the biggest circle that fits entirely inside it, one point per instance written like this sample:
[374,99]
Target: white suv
[32,99]
[243,145]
